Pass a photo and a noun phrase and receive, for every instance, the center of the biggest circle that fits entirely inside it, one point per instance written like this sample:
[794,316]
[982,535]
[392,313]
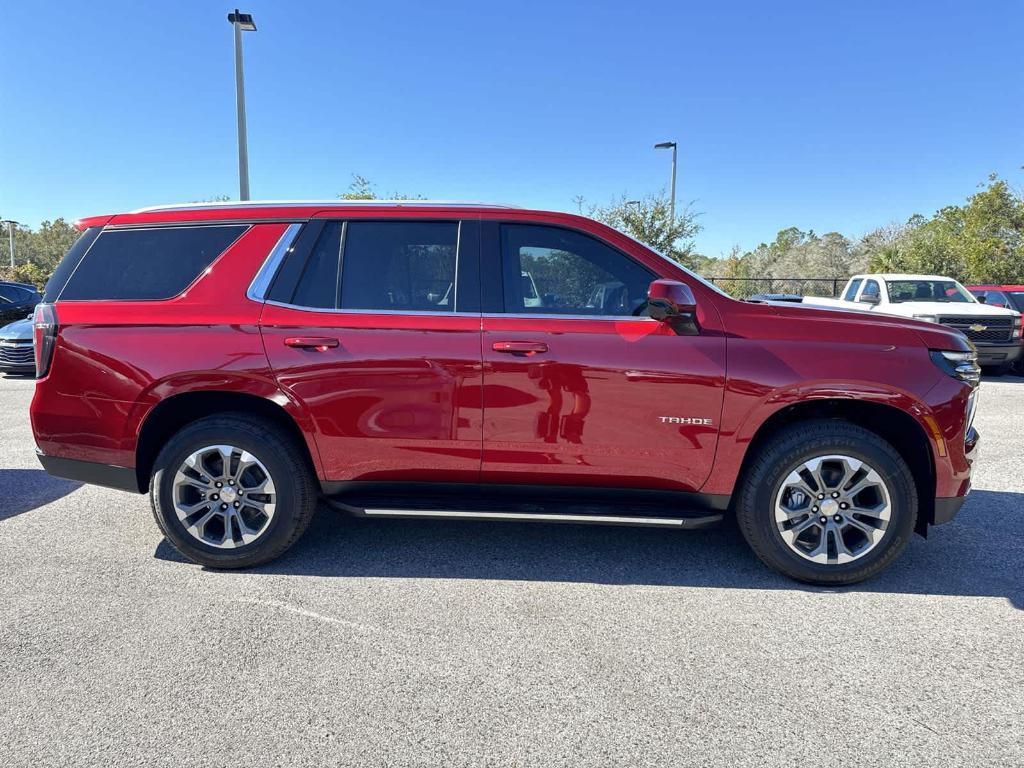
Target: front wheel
[827,502]
[232,491]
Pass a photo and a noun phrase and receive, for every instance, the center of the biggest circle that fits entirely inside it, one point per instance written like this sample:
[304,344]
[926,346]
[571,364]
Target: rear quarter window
[147,264]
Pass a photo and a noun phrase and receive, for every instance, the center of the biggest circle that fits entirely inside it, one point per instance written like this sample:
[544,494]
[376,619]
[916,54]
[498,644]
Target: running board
[539,517]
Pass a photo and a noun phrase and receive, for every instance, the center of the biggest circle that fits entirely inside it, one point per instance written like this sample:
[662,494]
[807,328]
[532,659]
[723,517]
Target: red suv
[415,360]
[1008,297]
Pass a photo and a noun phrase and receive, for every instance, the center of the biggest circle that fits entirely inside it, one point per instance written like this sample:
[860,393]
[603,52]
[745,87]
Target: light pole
[242,22]
[672,195]
[11,224]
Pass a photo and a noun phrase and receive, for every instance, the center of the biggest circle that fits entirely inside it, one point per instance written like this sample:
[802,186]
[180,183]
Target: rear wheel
[827,502]
[232,491]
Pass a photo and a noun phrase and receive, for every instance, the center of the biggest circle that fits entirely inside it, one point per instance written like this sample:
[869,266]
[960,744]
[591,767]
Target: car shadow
[22,490]
[978,554]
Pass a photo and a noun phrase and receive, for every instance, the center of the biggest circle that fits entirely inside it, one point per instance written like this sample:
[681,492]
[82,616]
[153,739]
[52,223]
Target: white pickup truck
[995,331]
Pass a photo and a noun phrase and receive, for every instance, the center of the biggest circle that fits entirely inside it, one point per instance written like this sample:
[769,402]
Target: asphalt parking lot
[387,642]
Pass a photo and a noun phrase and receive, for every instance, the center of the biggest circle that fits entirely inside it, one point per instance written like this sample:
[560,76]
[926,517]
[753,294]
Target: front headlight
[959,365]
[1016,327]
[927,318]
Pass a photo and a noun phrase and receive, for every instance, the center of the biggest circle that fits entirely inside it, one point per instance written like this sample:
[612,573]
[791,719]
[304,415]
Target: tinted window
[927,290]
[399,265]
[1017,299]
[549,270]
[318,286]
[851,292]
[142,264]
[996,298]
[60,275]
[12,294]
[871,289]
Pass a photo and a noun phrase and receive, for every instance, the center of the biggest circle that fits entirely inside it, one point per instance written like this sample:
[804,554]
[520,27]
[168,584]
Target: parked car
[994,331]
[236,361]
[1008,296]
[16,352]
[17,300]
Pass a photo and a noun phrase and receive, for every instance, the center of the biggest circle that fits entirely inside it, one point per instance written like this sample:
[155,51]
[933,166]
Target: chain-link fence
[745,287]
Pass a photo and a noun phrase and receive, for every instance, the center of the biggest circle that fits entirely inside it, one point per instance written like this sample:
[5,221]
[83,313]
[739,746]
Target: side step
[543,517]
[526,504]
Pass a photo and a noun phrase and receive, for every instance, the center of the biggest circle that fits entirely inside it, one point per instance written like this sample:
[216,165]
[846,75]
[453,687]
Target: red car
[1006,296]
[238,361]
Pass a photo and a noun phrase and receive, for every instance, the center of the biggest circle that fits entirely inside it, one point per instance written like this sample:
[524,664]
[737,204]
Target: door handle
[319,343]
[521,348]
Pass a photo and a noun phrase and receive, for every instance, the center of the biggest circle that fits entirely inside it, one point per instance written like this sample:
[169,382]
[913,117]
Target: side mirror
[982,298]
[869,299]
[669,300]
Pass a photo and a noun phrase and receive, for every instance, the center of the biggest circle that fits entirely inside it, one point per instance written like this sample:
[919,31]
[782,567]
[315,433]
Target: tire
[772,479]
[996,370]
[265,524]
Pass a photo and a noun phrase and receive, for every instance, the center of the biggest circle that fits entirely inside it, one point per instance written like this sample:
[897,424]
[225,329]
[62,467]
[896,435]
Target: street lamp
[242,22]
[672,205]
[11,224]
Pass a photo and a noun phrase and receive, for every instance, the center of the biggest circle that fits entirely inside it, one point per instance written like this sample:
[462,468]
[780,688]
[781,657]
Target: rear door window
[399,266]
[147,264]
[318,286]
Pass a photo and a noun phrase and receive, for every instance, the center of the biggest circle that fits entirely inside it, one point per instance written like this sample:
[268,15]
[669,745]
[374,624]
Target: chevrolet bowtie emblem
[978,327]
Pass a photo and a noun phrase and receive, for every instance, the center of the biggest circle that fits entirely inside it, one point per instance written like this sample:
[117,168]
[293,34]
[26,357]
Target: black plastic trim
[107,475]
[946,509]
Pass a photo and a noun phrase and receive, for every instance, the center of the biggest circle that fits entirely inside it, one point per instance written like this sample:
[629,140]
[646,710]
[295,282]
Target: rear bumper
[998,354]
[119,478]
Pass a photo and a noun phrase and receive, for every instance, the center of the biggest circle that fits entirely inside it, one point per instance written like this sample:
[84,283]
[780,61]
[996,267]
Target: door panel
[397,398]
[611,402]
[374,328]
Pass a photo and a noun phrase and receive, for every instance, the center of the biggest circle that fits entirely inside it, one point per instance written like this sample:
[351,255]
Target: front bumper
[27,370]
[998,354]
[947,508]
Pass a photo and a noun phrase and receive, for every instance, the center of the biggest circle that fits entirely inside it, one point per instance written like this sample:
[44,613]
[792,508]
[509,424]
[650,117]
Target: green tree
[649,221]
[362,188]
[37,252]
[981,241]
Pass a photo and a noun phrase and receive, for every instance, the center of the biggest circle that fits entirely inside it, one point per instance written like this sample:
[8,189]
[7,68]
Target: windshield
[928,290]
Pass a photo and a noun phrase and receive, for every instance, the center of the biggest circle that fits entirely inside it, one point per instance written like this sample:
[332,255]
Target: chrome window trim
[538,316]
[328,311]
[257,290]
[431,313]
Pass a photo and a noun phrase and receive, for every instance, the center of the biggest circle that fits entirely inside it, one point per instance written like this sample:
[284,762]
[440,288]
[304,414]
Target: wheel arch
[894,425]
[175,412]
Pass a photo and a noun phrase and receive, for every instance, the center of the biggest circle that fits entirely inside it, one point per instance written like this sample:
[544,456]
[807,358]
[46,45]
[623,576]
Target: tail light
[44,333]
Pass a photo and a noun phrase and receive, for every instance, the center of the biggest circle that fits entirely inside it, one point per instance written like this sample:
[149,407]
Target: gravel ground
[429,643]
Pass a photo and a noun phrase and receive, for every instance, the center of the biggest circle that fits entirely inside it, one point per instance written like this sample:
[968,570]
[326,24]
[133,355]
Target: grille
[17,353]
[997,329]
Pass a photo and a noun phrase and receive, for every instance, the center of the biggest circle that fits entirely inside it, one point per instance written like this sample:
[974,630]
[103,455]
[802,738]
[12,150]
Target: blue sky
[821,115]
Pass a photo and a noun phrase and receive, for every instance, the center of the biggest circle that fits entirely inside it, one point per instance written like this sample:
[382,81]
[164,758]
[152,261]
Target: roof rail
[333,203]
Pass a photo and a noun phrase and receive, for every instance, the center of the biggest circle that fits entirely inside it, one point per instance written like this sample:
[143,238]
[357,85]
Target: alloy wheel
[833,509]
[224,496]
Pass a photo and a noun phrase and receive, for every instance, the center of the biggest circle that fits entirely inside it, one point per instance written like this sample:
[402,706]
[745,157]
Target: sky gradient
[824,116]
